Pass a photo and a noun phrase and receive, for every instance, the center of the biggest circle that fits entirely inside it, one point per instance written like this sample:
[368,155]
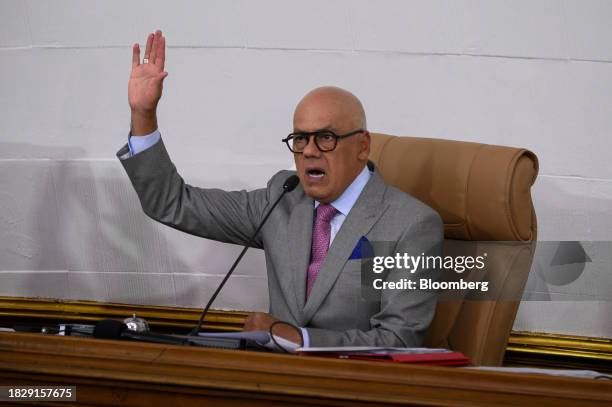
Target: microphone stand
[288,186]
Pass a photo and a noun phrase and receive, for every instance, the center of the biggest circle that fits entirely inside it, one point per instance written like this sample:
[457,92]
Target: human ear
[364,146]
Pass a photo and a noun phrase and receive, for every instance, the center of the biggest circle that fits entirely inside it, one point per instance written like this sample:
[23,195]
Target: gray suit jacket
[335,313]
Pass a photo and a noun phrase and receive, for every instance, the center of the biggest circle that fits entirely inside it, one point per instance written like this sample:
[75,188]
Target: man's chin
[316,193]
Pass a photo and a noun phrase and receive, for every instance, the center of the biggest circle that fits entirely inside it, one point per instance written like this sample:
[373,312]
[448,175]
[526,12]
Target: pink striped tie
[321,233]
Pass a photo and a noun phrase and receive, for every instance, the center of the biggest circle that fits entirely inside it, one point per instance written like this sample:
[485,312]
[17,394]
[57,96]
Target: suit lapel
[364,214]
[300,238]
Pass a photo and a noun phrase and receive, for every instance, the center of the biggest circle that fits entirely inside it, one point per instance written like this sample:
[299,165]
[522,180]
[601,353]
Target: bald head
[325,175]
[330,105]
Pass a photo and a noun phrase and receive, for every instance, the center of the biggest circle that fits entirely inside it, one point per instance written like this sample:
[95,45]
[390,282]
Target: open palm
[146,79]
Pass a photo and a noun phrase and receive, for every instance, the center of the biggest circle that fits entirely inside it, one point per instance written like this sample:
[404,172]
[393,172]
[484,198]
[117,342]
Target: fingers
[135,55]
[155,46]
[248,323]
[148,46]
[160,57]
[254,321]
[155,51]
[258,321]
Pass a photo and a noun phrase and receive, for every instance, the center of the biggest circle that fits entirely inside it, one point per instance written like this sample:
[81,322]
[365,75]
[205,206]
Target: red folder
[437,359]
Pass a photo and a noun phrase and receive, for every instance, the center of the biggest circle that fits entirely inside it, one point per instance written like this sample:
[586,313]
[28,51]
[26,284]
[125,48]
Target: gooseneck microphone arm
[288,186]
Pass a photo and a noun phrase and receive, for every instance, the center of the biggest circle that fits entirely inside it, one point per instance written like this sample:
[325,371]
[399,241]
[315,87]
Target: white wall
[536,74]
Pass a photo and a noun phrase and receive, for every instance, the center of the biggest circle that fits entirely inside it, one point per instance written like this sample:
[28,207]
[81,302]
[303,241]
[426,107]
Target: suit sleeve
[404,314]
[226,216]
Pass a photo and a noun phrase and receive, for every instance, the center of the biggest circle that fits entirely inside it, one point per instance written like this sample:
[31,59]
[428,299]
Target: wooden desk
[141,374]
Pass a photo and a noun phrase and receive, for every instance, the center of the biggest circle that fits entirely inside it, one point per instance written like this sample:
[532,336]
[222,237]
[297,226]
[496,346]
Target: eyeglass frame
[337,137]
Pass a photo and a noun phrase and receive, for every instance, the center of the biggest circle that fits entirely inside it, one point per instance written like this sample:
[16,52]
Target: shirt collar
[345,202]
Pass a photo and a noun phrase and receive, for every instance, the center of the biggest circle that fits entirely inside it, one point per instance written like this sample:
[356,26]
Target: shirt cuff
[141,143]
[305,338]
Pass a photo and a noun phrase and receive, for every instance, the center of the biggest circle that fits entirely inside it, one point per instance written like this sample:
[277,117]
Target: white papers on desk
[586,374]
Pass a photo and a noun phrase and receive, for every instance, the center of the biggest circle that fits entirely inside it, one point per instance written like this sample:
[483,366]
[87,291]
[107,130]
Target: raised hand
[146,83]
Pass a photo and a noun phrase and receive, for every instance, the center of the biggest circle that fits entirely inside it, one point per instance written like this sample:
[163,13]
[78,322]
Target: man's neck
[349,196]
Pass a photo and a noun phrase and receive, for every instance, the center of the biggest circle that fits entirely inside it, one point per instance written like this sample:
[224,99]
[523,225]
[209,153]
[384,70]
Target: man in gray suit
[312,239]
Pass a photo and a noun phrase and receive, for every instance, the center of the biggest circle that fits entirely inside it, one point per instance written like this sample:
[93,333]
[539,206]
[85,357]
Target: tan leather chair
[483,193]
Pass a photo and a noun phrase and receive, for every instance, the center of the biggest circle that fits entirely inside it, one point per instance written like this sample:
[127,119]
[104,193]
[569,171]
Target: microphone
[291,183]
[111,329]
[288,186]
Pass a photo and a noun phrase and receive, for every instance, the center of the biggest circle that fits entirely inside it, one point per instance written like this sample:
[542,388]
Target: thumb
[159,78]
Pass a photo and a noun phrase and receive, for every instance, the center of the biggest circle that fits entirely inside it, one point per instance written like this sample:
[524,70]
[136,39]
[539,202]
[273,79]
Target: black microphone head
[291,183]
[109,329]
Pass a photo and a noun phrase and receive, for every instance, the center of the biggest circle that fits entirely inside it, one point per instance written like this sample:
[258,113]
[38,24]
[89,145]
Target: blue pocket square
[362,250]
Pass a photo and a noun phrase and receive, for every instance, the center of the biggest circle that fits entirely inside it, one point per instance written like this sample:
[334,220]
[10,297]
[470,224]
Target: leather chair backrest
[483,193]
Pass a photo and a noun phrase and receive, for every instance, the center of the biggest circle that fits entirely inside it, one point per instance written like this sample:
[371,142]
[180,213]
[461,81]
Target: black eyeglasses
[325,140]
